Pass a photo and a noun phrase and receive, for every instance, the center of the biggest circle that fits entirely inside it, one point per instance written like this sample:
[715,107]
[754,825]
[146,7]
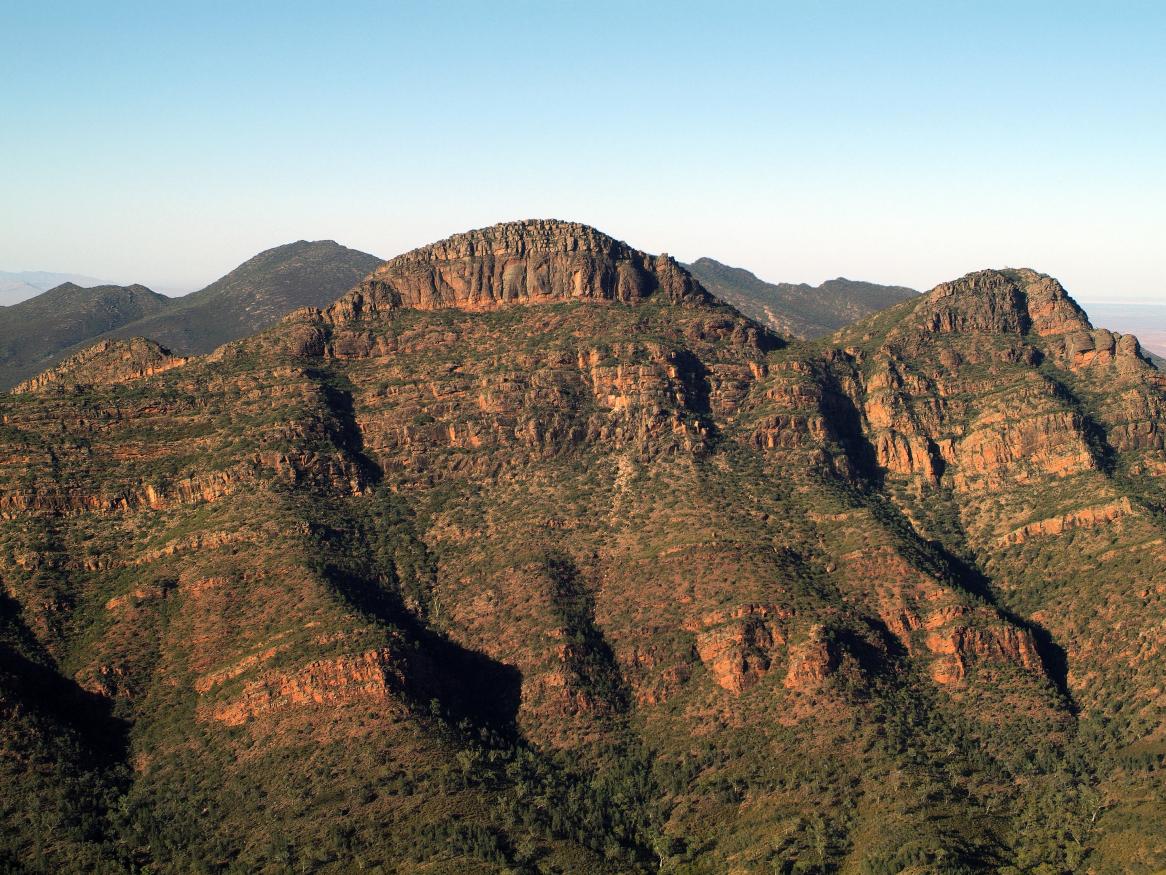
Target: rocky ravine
[528,553]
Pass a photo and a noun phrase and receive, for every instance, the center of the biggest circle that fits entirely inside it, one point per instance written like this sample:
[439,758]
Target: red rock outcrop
[517,262]
[811,661]
[1098,515]
[963,639]
[738,647]
[1100,348]
[370,678]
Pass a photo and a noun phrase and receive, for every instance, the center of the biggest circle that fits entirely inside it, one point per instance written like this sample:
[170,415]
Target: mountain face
[33,331]
[43,331]
[797,310]
[528,554]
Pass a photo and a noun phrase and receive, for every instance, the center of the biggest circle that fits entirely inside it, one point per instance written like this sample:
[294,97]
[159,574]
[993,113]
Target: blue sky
[898,142]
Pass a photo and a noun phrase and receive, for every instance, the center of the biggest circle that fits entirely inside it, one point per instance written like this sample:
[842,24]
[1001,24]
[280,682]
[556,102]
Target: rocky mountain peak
[530,261]
[1006,301]
[1017,306]
[521,238]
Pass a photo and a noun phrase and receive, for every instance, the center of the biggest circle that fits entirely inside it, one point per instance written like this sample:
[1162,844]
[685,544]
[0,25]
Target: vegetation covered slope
[43,331]
[33,332]
[530,555]
[797,309]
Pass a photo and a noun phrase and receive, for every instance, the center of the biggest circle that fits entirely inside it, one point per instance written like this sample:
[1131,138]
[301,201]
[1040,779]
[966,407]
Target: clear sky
[905,142]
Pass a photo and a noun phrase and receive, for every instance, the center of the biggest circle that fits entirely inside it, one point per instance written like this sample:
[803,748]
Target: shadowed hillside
[254,295]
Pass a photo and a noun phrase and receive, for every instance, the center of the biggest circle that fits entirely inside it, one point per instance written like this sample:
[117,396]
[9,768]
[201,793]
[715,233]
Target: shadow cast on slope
[1054,659]
[589,654]
[350,552]
[693,375]
[28,681]
[344,431]
[466,685]
[845,423]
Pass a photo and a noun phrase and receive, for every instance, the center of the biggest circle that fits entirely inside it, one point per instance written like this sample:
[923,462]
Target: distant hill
[255,295]
[41,332]
[17,286]
[34,331]
[797,309]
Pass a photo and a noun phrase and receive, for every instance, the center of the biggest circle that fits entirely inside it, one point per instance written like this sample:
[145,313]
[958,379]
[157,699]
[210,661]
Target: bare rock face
[518,262]
[811,662]
[1101,348]
[738,647]
[105,364]
[370,679]
[1005,301]
[962,639]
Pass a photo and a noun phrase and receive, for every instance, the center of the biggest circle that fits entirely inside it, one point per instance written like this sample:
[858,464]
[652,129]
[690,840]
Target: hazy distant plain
[1147,321]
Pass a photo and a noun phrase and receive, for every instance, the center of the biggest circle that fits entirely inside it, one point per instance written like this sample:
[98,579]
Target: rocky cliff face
[522,262]
[548,559]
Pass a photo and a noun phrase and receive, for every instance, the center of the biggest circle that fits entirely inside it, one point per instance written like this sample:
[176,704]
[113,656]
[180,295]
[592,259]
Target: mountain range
[20,285]
[531,554]
[796,310]
[41,331]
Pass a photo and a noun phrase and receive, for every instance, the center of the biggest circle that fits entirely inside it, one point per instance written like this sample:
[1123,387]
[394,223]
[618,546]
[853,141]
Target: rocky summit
[530,555]
[524,262]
